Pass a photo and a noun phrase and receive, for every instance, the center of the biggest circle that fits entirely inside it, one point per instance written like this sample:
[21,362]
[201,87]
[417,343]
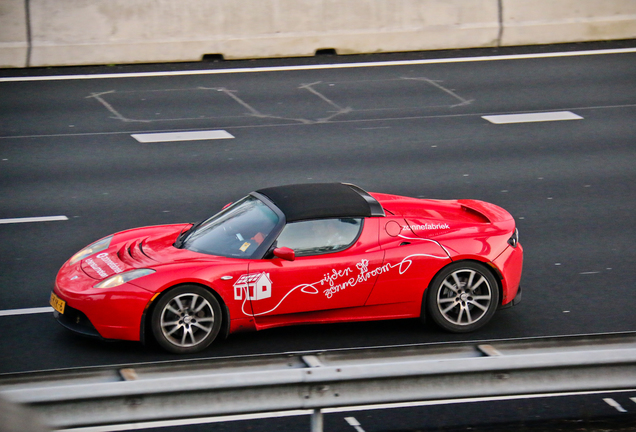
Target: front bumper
[76,321]
[113,313]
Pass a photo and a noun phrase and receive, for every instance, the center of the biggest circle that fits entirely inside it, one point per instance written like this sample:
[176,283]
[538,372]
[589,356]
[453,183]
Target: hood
[103,265]
[137,248]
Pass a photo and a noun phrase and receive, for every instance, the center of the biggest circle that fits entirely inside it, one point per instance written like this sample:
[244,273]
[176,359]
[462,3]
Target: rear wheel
[186,319]
[463,297]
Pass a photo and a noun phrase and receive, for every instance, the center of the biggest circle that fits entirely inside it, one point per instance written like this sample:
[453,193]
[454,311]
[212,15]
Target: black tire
[186,319]
[462,297]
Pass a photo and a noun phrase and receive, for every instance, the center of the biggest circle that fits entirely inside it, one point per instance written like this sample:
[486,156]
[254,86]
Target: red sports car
[296,254]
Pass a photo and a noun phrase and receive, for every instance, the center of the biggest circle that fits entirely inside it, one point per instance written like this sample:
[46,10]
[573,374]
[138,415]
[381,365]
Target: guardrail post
[316,421]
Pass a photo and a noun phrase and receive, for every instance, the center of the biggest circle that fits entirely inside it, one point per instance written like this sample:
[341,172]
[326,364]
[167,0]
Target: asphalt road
[412,128]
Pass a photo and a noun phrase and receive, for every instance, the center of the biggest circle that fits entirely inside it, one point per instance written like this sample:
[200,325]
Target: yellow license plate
[57,303]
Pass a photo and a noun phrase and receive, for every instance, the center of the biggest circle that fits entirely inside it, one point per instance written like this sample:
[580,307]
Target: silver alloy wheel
[464,297]
[187,319]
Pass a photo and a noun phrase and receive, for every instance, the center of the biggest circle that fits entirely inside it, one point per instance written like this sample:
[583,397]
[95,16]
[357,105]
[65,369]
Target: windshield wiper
[183,235]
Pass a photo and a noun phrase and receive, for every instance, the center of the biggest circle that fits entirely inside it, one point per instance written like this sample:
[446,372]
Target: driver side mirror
[285,253]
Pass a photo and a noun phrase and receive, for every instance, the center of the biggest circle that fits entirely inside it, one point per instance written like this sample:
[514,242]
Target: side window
[320,236]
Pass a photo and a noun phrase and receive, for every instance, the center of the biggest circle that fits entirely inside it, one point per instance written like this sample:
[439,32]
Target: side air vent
[141,249]
[475,214]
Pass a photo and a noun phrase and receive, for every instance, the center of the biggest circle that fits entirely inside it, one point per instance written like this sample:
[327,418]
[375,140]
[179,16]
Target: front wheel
[463,297]
[186,319]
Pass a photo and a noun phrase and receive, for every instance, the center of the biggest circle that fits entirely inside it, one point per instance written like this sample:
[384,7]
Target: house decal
[255,286]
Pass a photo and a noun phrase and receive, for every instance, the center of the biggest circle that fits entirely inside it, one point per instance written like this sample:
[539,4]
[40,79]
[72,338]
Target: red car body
[401,247]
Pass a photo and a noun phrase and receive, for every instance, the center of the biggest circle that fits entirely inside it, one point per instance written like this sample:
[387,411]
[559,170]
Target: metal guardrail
[108,396]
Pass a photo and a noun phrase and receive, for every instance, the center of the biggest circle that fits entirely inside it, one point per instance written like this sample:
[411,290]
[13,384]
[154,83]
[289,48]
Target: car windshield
[237,231]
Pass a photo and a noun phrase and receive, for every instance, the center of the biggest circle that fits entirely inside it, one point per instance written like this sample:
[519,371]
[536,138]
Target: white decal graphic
[256,287]
[97,268]
[427,227]
[332,279]
[428,240]
[114,267]
[364,275]
[334,275]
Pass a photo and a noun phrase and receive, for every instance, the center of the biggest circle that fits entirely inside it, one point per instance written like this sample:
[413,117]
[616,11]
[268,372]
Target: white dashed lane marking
[28,311]
[611,402]
[532,117]
[355,423]
[182,136]
[33,219]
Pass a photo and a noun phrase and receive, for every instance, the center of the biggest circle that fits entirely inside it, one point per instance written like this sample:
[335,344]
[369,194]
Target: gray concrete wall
[76,32]
[14,44]
[529,22]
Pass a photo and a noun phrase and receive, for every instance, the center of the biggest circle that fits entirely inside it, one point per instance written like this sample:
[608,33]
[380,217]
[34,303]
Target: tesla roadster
[295,254]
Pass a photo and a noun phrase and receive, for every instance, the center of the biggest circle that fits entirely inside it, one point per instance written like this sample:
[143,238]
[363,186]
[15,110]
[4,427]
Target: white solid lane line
[33,219]
[182,136]
[28,311]
[321,66]
[611,402]
[532,117]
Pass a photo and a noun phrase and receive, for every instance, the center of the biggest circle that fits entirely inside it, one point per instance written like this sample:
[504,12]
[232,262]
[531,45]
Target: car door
[411,263]
[333,269]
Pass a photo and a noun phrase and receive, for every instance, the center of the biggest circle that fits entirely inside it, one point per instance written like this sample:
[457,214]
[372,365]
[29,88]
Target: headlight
[98,246]
[122,278]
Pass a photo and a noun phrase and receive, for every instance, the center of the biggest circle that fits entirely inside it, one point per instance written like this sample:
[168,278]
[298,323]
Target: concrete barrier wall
[14,45]
[76,32]
[68,32]
[528,22]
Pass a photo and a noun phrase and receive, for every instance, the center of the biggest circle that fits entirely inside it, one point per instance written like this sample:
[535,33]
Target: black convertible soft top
[322,200]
